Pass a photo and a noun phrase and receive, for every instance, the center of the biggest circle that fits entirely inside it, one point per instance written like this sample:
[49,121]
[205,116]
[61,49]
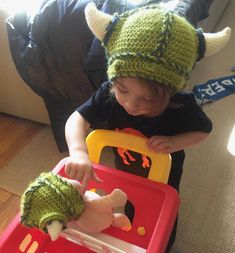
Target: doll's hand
[79,167]
[160,143]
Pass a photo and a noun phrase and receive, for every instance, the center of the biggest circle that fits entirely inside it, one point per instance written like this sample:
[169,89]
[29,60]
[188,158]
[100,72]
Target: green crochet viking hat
[50,198]
[152,43]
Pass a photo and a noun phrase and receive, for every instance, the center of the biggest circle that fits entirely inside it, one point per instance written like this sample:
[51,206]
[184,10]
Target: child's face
[138,98]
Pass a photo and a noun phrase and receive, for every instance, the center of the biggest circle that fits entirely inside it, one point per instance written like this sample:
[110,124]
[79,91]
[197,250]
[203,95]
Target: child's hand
[163,144]
[170,144]
[81,168]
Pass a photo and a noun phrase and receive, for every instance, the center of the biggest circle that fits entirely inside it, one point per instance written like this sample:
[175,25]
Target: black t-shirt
[186,115]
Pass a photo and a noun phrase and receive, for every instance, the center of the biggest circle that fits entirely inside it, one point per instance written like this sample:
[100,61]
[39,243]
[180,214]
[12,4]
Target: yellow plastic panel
[98,139]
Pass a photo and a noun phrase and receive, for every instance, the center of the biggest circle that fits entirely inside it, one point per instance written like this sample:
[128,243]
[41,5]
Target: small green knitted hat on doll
[50,198]
[152,43]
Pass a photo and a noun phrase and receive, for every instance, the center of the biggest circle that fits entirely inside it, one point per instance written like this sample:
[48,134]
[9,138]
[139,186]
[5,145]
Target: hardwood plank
[4,196]
[8,211]
[15,134]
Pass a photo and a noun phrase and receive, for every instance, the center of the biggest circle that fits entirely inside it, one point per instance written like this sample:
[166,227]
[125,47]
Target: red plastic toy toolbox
[156,207]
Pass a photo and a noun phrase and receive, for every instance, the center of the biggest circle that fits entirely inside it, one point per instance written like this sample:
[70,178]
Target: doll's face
[139,98]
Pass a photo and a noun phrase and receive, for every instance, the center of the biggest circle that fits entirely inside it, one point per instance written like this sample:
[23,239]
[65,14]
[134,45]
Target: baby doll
[51,201]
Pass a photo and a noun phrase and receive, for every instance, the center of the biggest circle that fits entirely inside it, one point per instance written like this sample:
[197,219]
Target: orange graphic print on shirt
[124,153]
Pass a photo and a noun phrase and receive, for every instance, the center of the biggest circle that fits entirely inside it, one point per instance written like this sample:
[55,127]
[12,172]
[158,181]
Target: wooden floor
[15,133]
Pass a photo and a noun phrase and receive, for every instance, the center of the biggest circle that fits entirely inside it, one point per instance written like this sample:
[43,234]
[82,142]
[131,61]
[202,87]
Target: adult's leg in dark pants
[174,181]
[172,237]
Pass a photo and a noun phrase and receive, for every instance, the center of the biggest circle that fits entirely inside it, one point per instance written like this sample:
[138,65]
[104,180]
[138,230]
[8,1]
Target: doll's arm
[117,198]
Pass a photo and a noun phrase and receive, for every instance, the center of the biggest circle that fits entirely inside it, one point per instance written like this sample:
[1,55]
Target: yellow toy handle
[98,139]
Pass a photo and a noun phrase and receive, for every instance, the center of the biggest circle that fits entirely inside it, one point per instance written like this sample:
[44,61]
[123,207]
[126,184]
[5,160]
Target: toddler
[151,53]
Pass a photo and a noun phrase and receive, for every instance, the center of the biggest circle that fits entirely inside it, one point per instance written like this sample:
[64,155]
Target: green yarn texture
[50,198]
[153,44]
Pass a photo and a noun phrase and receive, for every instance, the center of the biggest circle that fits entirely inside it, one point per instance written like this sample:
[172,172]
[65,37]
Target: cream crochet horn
[216,41]
[98,22]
